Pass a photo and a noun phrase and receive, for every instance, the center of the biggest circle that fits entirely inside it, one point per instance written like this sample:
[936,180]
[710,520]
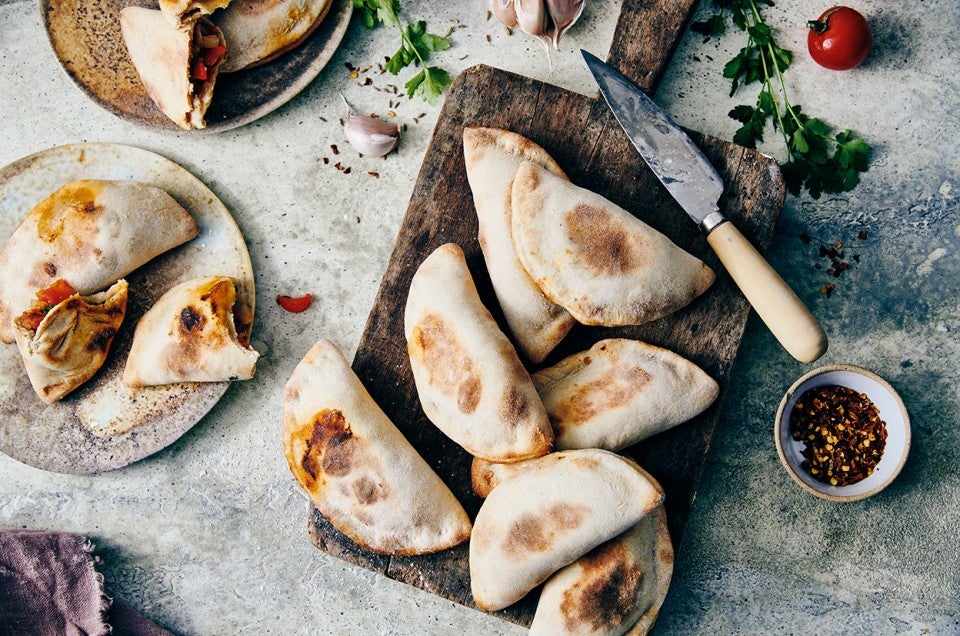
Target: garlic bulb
[370,136]
[504,11]
[563,14]
[533,19]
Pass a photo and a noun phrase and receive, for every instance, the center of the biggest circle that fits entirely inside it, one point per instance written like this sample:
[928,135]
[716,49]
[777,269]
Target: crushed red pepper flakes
[334,148]
[375,175]
[842,433]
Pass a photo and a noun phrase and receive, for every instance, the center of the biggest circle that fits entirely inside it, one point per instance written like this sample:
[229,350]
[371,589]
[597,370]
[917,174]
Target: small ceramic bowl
[892,412]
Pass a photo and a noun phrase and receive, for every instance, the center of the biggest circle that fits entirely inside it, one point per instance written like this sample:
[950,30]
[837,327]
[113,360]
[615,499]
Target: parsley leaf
[416,45]
[817,161]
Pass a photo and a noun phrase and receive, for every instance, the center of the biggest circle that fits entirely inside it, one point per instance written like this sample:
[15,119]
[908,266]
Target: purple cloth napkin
[49,585]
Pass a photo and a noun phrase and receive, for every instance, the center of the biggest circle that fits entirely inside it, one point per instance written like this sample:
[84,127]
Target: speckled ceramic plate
[85,36]
[104,425]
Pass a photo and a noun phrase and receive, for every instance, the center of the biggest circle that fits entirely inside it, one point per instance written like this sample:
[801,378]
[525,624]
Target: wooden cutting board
[584,138]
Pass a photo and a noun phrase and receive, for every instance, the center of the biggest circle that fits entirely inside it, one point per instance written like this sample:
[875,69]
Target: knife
[690,178]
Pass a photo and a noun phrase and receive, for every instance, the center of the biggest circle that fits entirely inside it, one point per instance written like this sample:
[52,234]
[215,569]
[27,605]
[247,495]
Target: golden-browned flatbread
[359,470]
[615,588]
[71,341]
[90,234]
[190,335]
[178,67]
[492,157]
[470,380]
[551,514]
[620,392]
[259,31]
[601,263]
[182,13]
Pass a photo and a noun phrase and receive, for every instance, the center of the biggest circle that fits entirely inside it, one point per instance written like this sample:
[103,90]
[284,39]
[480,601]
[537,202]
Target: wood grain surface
[582,135]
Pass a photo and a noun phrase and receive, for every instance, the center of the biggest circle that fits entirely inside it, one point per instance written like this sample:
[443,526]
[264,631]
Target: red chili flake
[842,433]
[346,170]
[334,148]
[350,67]
[338,166]
[367,82]
[375,175]
[827,289]
[326,160]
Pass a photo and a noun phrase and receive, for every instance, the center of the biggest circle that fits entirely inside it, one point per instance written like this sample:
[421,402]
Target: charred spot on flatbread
[614,389]
[191,319]
[606,595]
[329,426]
[450,367]
[533,533]
[603,243]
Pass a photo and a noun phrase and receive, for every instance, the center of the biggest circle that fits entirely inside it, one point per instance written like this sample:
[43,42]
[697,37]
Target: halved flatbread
[89,233]
[601,263]
[620,392]
[471,383]
[177,67]
[618,586]
[359,470]
[182,13]
[259,31]
[189,335]
[72,341]
[551,514]
[492,157]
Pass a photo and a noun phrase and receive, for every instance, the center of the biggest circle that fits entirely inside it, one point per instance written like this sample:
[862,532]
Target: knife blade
[694,183]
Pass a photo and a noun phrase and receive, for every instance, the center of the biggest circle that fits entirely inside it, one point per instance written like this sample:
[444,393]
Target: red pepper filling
[206,59]
[47,298]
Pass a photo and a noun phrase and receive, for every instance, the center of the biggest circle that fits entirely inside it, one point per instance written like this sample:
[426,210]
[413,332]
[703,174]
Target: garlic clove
[371,136]
[563,14]
[533,19]
[504,11]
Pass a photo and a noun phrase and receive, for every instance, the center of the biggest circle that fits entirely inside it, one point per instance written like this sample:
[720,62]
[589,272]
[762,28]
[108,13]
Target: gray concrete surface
[208,536]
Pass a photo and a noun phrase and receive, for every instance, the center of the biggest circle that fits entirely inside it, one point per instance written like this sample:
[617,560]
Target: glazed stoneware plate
[104,425]
[85,36]
[891,410]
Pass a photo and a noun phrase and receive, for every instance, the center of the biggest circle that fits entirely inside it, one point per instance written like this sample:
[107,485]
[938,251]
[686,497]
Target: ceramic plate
[104,425]
[85,36]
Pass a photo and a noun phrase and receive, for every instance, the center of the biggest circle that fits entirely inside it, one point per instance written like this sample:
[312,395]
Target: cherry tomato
[294,304]
[840,39]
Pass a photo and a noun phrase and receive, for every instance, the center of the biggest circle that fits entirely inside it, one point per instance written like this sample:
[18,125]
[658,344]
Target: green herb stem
[818,161]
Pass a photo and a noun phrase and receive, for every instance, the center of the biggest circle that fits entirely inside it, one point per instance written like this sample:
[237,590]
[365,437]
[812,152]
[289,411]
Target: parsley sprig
[416,45]
[819,160]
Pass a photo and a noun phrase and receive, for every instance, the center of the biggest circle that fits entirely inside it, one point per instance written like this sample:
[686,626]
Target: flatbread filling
[207,51]
[47,299]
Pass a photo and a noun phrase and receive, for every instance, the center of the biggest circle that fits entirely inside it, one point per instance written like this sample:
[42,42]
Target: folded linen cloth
[49,585]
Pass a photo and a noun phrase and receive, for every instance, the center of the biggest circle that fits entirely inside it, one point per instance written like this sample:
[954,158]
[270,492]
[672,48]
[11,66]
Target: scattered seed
[375,175]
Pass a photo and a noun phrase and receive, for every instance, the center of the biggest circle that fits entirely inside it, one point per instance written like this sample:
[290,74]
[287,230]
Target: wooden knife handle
[777,305]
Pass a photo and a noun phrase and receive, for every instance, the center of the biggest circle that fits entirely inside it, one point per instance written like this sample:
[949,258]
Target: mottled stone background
[209,535]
